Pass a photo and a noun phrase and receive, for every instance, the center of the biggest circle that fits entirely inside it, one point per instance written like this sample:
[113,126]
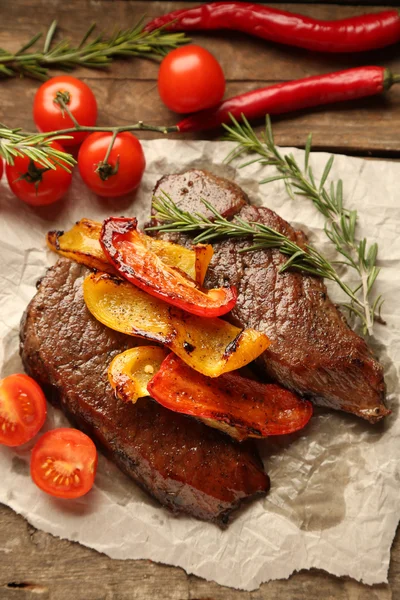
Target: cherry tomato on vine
[79,98]
[190,79]
[64,463]
[124,168]
[36,185]
[22,409]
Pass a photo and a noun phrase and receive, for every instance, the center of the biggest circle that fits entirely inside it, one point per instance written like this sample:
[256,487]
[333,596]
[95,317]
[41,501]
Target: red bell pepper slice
[239,406]
[127,250]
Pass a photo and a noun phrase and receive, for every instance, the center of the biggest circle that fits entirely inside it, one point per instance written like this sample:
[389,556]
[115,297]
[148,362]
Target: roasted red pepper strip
[354,34]
[126,249]
[239,406]
[294,95]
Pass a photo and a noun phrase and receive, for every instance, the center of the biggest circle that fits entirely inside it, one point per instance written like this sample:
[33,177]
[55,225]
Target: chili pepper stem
[390,79]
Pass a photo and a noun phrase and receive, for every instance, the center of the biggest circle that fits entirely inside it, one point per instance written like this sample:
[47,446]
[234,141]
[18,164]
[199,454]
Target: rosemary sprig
[95,53]
[37,146]
[341,223]
[308,259]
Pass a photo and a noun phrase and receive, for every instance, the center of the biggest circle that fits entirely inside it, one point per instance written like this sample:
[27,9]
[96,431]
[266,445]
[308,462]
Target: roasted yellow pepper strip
[82,244]
[211,346]
[204,254]
[194,262]
[130,372]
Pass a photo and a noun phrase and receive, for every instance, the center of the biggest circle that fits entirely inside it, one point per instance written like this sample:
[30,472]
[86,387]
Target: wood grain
[34,564]
[128,91]
[37,565]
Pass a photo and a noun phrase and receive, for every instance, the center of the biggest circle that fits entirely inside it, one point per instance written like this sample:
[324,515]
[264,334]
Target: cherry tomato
[36,185]
[22,409]
[125,165]
[190,79]
[64,463]
[1,168]
[79,98]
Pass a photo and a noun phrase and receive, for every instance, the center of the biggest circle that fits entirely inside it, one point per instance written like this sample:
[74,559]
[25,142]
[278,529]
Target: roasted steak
[187,466]
[313,352]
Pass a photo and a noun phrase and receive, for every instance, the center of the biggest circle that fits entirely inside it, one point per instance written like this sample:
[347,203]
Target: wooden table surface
[33,562]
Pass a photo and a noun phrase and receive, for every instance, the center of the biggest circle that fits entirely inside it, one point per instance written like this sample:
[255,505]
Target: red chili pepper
[129,253]
[355,34]
[239,406]
[294,95]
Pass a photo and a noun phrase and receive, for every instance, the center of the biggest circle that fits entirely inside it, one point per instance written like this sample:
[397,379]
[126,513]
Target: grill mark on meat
[313,351]
[185,465]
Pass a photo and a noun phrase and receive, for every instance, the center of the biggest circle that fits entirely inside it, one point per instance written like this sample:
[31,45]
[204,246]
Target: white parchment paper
[334,501]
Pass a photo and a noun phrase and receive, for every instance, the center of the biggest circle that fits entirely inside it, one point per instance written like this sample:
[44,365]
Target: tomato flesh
[64,463]
[190,79]
[22,409]
[49,116]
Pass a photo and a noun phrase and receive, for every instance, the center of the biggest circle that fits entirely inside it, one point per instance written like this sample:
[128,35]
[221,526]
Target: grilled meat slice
[185,465]
[185,188]
[314,352]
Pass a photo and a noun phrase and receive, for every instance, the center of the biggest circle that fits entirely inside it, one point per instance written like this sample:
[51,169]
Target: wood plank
[128,92]
[37,565]
[368,127]
[243,58]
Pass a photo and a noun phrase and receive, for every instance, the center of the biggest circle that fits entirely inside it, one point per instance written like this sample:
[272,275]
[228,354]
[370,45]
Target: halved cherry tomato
[79,98]
[22,409]
[190,79]
[124,168]
[64,463]
[36,185]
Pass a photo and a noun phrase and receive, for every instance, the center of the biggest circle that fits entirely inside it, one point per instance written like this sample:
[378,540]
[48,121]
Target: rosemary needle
[92,52]
[37,146]
[172,219]
[340,223]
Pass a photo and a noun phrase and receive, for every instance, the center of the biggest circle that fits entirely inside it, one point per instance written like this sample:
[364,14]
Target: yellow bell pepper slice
[82,244]
[130,372]
[204,254]
[194,262]
[210,346]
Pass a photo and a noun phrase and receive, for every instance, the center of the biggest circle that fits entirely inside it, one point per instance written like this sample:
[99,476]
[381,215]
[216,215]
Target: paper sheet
[334,497]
